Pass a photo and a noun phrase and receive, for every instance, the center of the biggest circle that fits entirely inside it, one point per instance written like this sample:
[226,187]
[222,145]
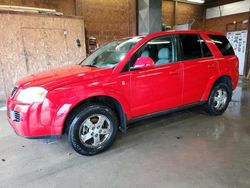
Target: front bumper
[29,120]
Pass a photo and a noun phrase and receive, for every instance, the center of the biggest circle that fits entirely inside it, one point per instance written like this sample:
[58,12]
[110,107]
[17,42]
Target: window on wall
[160,49]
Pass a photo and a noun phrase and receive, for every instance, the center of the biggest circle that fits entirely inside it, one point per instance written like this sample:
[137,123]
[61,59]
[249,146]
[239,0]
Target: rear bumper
[28,120]
[235,81]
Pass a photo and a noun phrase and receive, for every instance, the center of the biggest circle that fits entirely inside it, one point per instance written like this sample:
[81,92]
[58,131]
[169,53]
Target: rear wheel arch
[111,102]
[219,98]
[222,79]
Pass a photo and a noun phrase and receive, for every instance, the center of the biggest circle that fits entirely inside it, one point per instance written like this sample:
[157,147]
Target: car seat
[163,56]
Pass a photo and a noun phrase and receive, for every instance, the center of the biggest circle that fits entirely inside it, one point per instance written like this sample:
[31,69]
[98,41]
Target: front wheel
[219,99]
[92,129]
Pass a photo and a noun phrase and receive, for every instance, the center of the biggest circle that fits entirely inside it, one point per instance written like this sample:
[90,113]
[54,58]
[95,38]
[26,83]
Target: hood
[62,76]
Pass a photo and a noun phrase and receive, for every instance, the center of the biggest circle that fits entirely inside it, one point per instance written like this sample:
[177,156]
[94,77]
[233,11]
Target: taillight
[237,63]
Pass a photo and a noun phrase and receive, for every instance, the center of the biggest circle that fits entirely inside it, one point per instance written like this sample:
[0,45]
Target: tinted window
[205,49]
[191,46]
[223,44]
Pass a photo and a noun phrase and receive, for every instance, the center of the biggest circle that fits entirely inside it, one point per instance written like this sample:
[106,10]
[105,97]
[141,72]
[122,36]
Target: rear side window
[191,47]
[223,44]
[205,49]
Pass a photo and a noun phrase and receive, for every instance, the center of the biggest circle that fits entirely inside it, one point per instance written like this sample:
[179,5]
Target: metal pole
[247,64]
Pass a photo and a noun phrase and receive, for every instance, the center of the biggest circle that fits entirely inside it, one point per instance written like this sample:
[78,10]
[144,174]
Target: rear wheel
[92,129]
[219,99]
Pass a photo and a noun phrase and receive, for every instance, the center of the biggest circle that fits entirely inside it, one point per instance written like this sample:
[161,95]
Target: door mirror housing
[143,63]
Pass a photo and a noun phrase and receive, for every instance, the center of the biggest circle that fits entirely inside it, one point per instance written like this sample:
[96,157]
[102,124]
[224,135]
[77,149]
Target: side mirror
[143,63]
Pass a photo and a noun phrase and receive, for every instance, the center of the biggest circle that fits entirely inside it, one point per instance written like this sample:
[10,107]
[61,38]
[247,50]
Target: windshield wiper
[90,65]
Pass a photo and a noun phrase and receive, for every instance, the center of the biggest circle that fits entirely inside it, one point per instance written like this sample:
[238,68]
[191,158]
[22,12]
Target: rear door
[227,61]
[199,66]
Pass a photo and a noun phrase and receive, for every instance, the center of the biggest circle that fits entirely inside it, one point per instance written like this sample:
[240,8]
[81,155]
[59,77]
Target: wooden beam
[247,57]
[29,10]
[133,17]
[26,8]
[203,18]
[79,7]
[175,12]
[248,76]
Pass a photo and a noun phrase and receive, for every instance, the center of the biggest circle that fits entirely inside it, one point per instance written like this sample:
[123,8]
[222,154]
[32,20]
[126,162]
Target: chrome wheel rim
[95,130]
[220,99]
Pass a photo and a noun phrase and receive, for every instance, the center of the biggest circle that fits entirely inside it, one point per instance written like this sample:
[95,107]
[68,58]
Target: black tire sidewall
[210,105]
[83,113]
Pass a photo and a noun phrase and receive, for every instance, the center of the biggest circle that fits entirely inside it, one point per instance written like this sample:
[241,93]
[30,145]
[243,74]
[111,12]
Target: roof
[177,32]
[188,32]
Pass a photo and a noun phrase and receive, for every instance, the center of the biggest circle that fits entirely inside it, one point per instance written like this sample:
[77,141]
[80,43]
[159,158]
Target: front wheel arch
[85,129]
[104,100]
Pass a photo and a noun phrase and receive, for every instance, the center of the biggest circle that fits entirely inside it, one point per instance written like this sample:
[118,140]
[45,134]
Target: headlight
[31,95]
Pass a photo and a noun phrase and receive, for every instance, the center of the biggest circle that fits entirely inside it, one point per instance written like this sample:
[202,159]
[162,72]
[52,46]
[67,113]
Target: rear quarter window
[222,44]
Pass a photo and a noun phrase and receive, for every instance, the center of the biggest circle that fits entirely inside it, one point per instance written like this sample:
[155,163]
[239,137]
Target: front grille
[14,115]
[13,91]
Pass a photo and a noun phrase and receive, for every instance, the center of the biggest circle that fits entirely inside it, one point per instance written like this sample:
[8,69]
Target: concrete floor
[184,149]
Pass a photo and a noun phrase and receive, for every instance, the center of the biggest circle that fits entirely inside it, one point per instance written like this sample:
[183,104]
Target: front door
[159,88]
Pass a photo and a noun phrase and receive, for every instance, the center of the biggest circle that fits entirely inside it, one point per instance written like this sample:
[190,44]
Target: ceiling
[218,2]
[211,3]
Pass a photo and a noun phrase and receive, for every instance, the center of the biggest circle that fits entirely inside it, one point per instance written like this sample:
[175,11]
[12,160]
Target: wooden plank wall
[65,6]
[104,19]
[32,43]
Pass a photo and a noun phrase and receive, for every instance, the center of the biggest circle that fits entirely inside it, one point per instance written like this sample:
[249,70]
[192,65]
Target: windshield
[109,55]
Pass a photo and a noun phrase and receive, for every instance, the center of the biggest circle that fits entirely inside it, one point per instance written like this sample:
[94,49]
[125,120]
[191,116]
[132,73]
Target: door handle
[211,66]
[173,72]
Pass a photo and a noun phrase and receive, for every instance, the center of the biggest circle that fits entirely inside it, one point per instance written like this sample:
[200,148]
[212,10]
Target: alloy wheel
[95,130]
[220,99]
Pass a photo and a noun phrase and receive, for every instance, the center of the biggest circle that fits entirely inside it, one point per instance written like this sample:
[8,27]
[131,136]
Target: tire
[219,99]
[92,129]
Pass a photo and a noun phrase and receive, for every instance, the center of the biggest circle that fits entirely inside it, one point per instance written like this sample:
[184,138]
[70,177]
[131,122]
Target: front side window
[161,50]
[109,55]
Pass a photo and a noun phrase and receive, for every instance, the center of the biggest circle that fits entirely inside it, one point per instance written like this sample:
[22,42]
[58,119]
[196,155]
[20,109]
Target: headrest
[163,53]
[145,53]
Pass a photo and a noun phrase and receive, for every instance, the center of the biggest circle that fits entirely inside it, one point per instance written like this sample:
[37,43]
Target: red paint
[139,91]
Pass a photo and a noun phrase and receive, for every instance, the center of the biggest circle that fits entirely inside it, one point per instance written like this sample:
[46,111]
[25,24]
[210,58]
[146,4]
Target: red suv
[123,81]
